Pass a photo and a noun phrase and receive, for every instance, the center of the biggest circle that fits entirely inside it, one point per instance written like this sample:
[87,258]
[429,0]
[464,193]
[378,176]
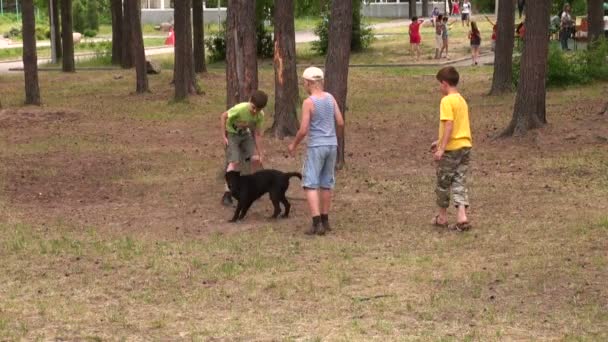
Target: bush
[580,67]
[485,6]
[90,33]
[216,44]
[42,32]
[361,38]
[92,15]
[265,42]
[79,17]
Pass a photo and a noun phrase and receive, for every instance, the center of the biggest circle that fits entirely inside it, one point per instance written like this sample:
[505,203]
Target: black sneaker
[227,199]
[314,228]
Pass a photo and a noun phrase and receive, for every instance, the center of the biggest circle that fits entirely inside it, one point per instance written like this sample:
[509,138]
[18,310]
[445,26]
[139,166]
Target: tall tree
[502,81]
[139,52]
[54,17]
[595,13]
[412,8]
[116,9]
[198,26]
[241,52]
[338,55]
[425,8]
[184,76]
[285,73]
[530,110]
[67,36]
[127,38]
[30,59]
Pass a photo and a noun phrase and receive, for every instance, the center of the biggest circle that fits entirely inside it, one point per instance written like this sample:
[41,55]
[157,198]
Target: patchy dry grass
[110,224]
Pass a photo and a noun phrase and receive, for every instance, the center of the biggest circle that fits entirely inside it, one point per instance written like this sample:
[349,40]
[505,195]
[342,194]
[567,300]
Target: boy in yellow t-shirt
[452,151]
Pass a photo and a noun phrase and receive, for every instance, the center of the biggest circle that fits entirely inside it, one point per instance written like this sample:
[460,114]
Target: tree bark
[184,61]
[502,81]
[67,36]
[595,15]
[127,38]
[139,52]
[412,8]
[338,55]
[425,8]
[241,52]
[285,72]
[54,12]
[198,25]
[117,20]
[30,59]
[530,110]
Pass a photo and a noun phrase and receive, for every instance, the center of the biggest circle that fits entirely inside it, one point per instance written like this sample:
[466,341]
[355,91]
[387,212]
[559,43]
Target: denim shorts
[319,167]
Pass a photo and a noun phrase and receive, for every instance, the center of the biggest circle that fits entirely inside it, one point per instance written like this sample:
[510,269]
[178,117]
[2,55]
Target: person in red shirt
[415,37]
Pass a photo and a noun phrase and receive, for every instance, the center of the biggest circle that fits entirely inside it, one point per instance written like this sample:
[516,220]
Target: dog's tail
[293,174]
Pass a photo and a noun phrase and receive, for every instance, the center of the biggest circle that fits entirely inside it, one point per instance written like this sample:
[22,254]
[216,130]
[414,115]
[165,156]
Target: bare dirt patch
[30,116]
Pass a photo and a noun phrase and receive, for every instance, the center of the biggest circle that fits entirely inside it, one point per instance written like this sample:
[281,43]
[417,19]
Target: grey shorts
[240,147]
[319,167]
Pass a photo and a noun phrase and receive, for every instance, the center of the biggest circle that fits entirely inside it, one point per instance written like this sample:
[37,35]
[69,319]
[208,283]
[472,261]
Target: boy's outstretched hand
[437,155]
[434,146]
[292,150]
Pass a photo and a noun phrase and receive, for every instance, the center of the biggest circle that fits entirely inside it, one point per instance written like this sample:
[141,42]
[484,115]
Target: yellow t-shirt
[454,108]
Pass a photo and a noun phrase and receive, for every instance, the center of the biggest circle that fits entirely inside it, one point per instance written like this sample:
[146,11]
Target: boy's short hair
[259,99]
[449,75]
[414,18]
[440,17]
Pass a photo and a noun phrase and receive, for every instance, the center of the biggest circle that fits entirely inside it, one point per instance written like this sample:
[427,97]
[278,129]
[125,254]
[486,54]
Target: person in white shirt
[566,25]
[466,12]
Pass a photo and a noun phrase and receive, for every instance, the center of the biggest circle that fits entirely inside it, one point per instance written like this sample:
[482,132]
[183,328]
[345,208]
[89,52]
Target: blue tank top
[322,130]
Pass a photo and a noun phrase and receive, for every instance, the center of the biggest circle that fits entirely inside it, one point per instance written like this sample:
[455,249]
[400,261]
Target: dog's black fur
[247,189]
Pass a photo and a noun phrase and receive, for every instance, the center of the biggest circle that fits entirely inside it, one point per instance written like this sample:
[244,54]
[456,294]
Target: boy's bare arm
[304,125]
[339,121]
[447,133]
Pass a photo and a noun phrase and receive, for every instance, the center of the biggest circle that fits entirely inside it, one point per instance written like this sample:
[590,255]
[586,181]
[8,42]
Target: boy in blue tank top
[322,122]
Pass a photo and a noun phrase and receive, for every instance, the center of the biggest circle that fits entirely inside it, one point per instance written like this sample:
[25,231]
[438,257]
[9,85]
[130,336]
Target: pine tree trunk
[127,38]
[412,8]
[198,27]
[139,52]
[595,16]
[67,36]
[30,59]
[241,52]
[502,81]
[54,12]
[425,8]
[184,61]
[285,73]
[530,110]
[117,20]
[338,55]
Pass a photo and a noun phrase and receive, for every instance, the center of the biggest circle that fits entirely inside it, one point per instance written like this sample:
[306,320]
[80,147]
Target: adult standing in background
[466,12]
[566,26]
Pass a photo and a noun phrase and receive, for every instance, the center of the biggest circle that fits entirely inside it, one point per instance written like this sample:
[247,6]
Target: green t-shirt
[240,117]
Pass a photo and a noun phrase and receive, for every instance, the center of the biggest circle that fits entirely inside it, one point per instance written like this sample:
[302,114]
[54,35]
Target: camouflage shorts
[452,173]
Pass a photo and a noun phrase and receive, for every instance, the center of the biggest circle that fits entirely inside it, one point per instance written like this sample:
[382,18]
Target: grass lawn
[111,227]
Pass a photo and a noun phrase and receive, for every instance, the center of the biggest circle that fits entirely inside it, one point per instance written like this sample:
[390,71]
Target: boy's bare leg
[442,216]
[312,197]
[462,214]
[325,201]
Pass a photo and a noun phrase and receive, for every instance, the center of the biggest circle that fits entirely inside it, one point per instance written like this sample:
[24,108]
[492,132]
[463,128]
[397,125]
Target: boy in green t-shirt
[242,135]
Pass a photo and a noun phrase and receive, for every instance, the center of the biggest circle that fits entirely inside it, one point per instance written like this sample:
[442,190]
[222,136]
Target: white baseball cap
[313,74]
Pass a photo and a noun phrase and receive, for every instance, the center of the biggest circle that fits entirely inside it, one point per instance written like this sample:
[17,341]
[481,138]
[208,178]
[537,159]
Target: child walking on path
[415,37]
[475,39]
[323,123]
[241,129]
[452,152]
[439,28]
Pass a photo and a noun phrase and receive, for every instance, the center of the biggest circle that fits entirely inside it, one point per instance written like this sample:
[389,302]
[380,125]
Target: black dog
[247,189]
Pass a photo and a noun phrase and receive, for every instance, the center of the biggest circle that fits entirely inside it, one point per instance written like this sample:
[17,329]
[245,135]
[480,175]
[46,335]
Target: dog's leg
[275,198]
[244,209]
[286,205]
[237,212]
